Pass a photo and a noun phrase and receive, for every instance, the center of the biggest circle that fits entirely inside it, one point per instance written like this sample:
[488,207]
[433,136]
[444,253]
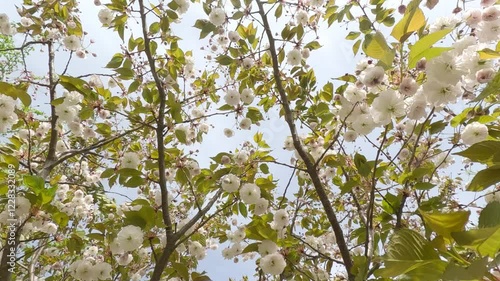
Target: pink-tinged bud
[431,4]
[80,53]
[487,3]
[421,64]
[485,75]
[457,10]
[402,9]
[225,160]
[97,2]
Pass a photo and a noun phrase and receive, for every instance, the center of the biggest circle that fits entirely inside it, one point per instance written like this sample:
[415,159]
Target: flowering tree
[423,93]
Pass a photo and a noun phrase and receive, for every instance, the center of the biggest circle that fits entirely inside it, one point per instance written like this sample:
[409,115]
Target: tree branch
[311,169]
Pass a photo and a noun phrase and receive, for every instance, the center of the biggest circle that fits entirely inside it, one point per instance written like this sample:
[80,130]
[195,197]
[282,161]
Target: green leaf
[205,26]
[475,271]
[134,181]
[125,73]
[437,127]
[47,194]
[224,60]
[490,89]
[35,183]
[355,47]
[243,209]
[182,270]
[264,168]
[254,247]
[15,92]
[406,244]
[412,21]
[279,11]
[486,152]
[116,61]
[61,219]
[164,24]
[490,215]
[9,159]
[362,165]
[376,47]
[485,240]
[428,54]
[487,54]
[484,179]
[254,114]
[425,43]
[446,223]
[424,185]
[144,218]
[181,136]
[408,253]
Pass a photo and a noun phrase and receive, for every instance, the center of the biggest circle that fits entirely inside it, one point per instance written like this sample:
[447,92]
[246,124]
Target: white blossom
[444,23]
[417,107]
[488,31]
[241,157]
[373,76]
[387,105]
[230,183]
[26,21]
[72,43]
[472,17]
[130,160]
[350,136]
[217,16]
[408,86]
[490,13]
[249,193]
[23,207]
[438,93]
[261,206]
[4,18]
[473,133]
[233,36]
[288,145]
[232,97]
[228,132]
[130,237]
[247,96]
[354,94]
[238,235]
[248,63]
[363,124]
[444,69]
[183,6]
[273,264]
[124,259]
[267,247]
[245,123]
[281,219]
[302,17]
[197,250]
[7,103]
[294,57]
[7,119]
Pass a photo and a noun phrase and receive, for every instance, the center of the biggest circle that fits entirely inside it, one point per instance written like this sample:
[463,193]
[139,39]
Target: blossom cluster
[8,117]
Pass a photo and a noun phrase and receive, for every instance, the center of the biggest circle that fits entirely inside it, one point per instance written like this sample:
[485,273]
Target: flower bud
[402,9]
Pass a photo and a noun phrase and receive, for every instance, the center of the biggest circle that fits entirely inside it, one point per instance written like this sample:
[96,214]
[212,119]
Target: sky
[334,59]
